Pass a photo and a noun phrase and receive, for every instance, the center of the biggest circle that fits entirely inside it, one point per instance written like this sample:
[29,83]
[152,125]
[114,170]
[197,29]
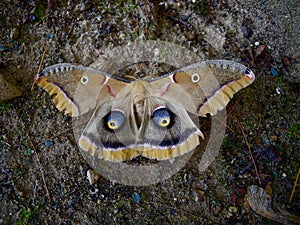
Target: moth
[145,117]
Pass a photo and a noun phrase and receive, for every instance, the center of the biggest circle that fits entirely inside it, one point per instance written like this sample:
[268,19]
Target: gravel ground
[43,175]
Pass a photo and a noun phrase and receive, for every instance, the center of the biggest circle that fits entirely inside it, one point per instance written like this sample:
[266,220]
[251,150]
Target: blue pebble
[31,17]
[274,72]
[266,140]
[48,143]
[136,197]
[49,36]
[245,32]
[29,152]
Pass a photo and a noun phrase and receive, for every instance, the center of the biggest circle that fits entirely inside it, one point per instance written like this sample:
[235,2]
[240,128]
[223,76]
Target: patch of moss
[294,132]
[5,106]
[227,143]
[26,215]
[134,35]
[40,10]
[202,7]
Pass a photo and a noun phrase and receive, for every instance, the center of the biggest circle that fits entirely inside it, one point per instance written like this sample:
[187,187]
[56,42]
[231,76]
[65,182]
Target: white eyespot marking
[84,80]
[195,78]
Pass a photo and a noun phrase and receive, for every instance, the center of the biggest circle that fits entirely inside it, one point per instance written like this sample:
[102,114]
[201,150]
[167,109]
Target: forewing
[76,90]
[203,88]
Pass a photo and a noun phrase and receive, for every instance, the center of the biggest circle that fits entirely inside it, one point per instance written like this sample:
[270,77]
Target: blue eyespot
[162,117]
[115,120]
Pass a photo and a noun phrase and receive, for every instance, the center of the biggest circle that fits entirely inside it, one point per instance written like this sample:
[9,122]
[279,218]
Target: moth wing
[203,88]
[98,141]
[161,143]
[75,89]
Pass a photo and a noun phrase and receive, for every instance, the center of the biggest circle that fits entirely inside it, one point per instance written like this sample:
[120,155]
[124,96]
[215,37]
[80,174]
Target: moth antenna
[41,62]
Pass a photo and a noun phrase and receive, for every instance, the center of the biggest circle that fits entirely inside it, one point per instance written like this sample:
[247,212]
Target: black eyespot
[115,120]
[162,117]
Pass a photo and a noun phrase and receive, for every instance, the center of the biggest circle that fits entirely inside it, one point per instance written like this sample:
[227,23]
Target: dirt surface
[43,175]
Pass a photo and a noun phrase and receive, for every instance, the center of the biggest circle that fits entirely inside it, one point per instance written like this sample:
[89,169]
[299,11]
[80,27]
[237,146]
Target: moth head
[115,120]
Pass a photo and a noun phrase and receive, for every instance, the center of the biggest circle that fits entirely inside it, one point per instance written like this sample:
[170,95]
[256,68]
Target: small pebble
[51,4]
[283,174]
[274,72]
[48,143]
[274,137]
[92,176]
[278,90]
[31,17]
[15,33]
[240,191]
[233,209]
[29,152]
[286,61]
[266,140]
[245,32]
[229,214]
[185,17]
[136,197]
[233,198]
[164,4]
[259,50]
[190,36]
[156,51]
[198,194]
[218,209]
[49,36]
[94,191]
